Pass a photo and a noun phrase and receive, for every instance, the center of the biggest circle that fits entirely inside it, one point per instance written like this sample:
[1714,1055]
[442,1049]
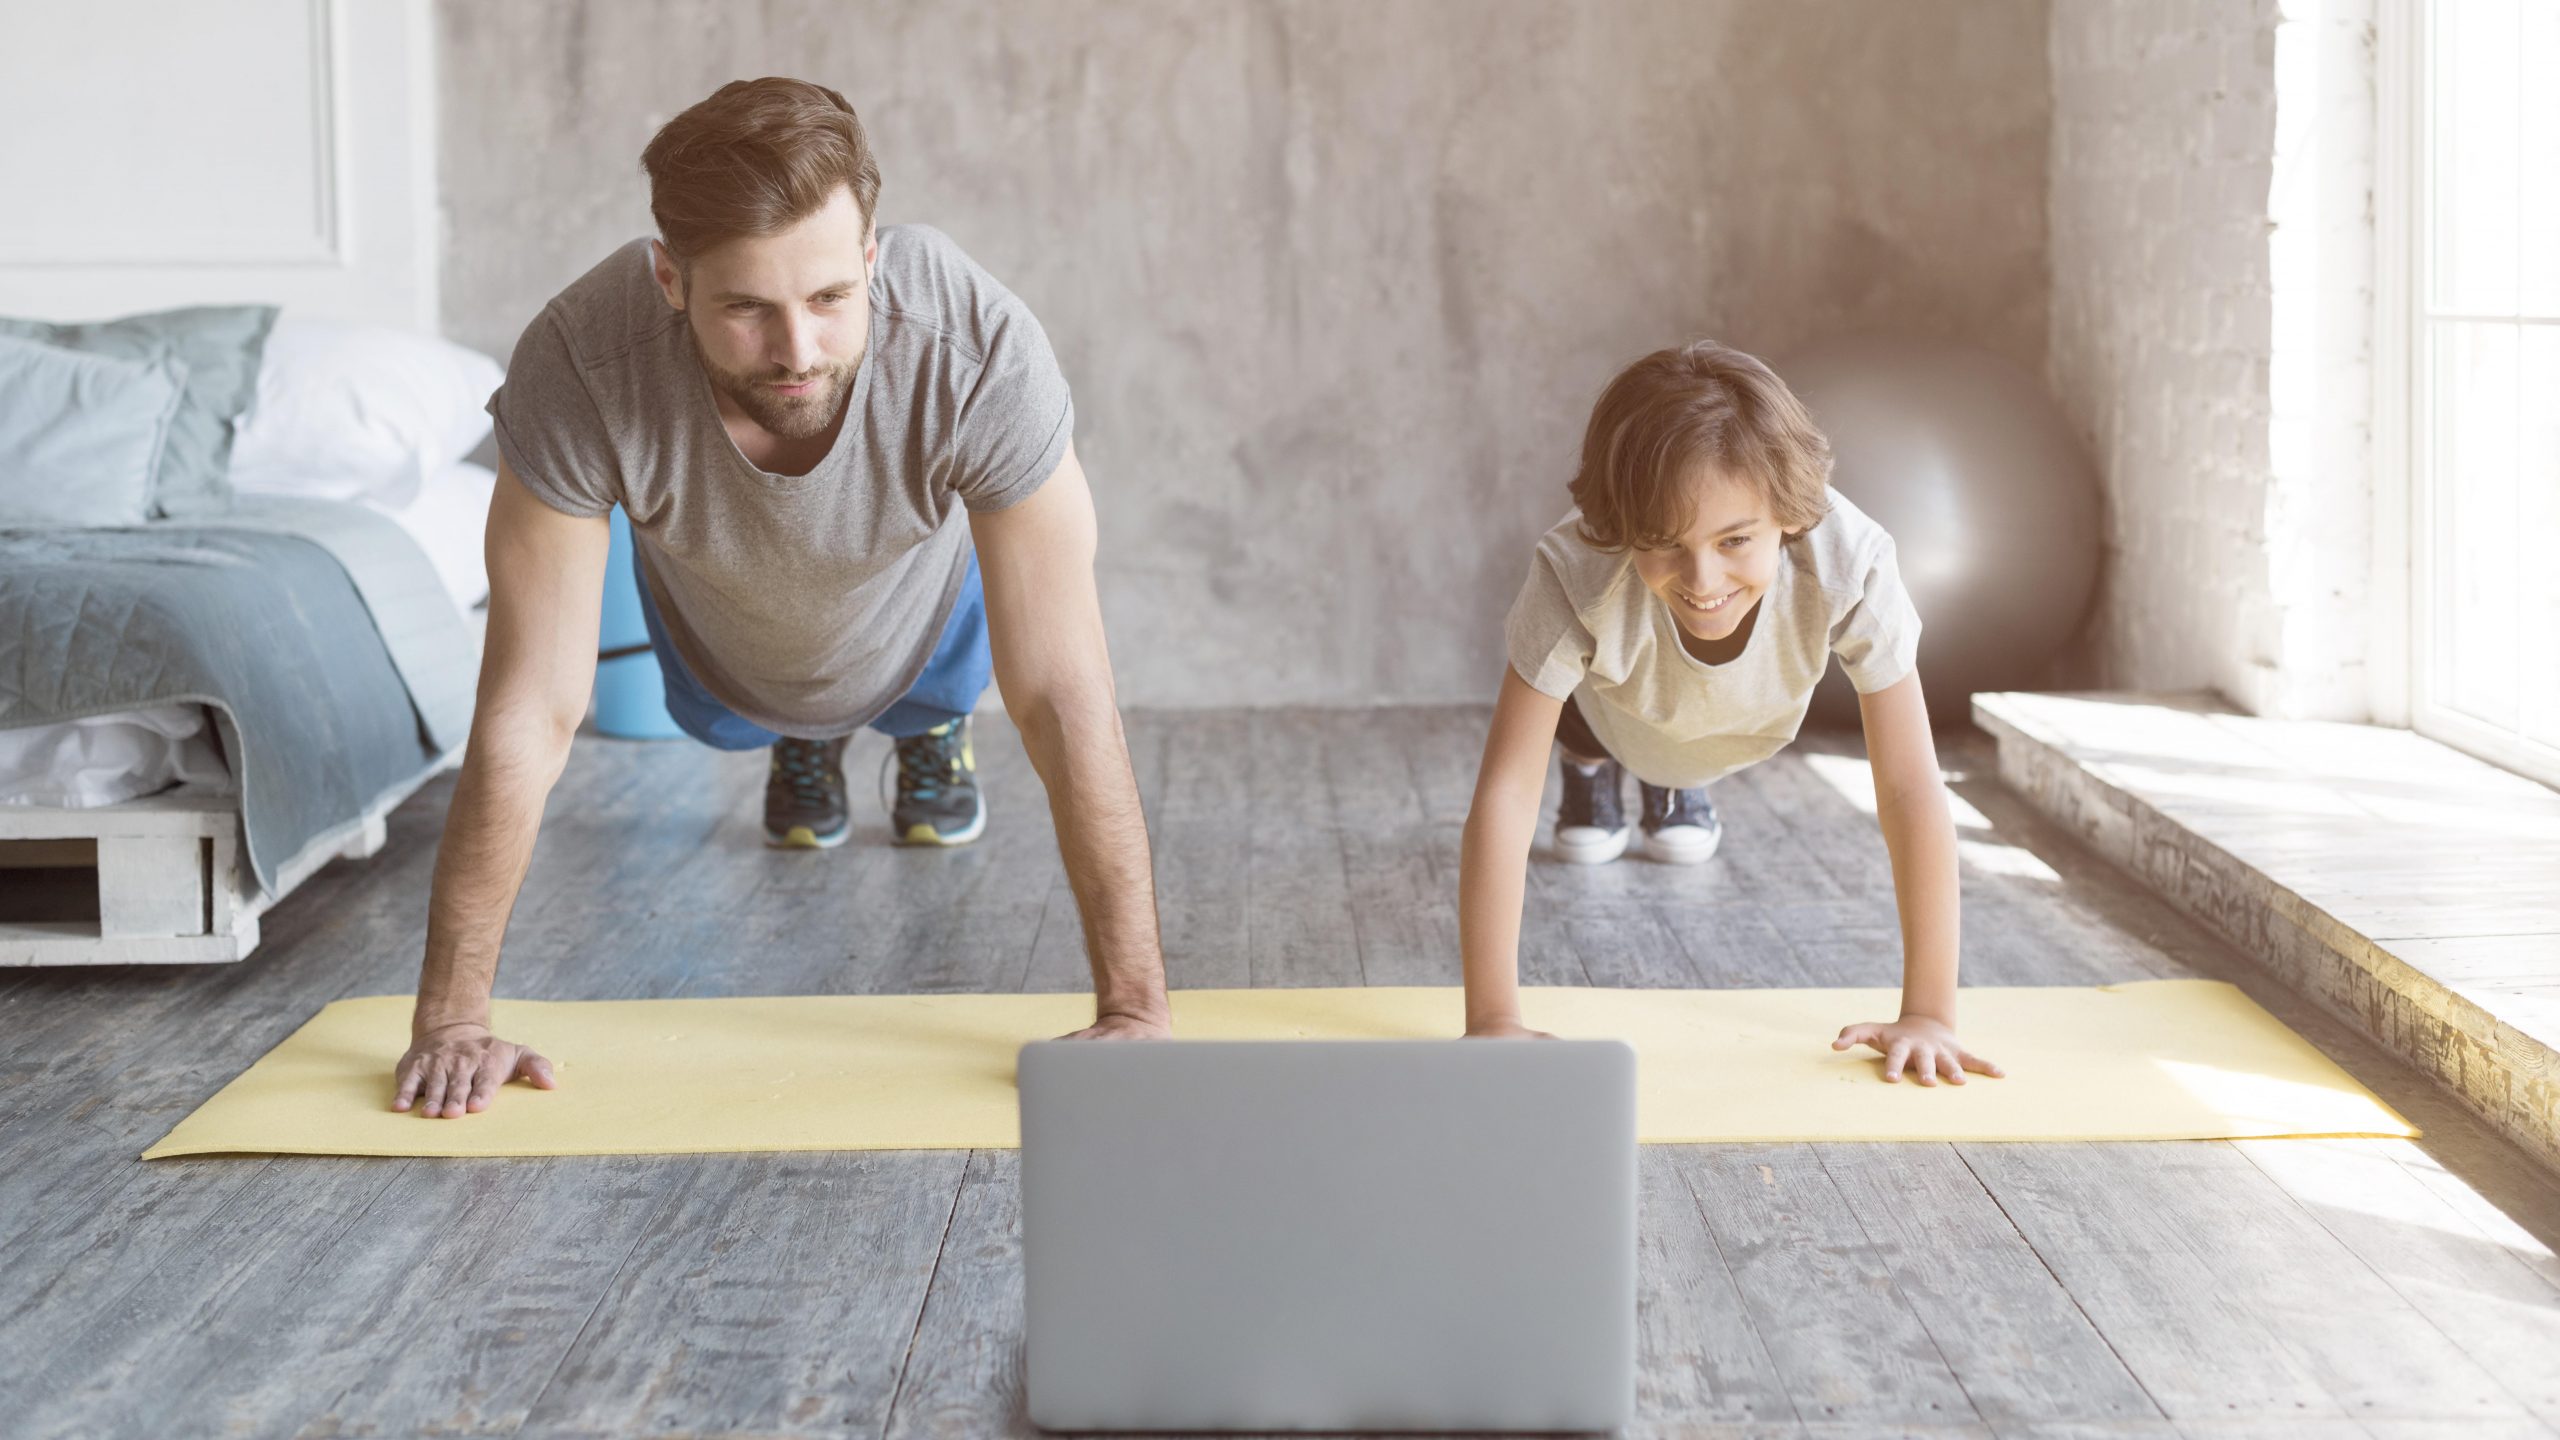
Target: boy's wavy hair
[1678,410]
[756,158]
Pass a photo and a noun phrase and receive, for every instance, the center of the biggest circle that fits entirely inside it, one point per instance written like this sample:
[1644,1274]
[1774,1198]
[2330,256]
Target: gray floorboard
[2009,1331]
[1299,928]
[771,1293]
[2391,1290]
[964,1372]
[1845,1340]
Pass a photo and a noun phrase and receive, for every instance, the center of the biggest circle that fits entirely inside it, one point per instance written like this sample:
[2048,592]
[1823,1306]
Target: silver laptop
[1329,1235]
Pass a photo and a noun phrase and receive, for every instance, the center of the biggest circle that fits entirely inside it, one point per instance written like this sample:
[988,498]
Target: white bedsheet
[109,759]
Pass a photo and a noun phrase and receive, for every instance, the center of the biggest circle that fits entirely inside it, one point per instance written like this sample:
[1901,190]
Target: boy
[1674,624]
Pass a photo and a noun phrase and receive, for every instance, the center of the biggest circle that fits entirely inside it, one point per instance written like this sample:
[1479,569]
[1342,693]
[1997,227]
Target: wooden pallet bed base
[173,886]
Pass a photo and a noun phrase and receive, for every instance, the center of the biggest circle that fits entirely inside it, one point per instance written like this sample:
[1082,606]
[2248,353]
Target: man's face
[781,321]
[1714,574]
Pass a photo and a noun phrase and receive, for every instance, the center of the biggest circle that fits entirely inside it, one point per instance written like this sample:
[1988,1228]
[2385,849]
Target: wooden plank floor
[2367,1288]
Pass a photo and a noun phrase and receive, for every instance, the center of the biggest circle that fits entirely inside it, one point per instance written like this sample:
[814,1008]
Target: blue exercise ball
[1992,504]
[631,693]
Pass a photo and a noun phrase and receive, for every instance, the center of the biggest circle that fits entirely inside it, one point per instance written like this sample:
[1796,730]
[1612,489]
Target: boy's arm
[1494,859]
[1911,806]
[1920,834]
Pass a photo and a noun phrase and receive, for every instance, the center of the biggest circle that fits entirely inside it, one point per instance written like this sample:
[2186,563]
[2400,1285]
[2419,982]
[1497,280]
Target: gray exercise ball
[1992,505]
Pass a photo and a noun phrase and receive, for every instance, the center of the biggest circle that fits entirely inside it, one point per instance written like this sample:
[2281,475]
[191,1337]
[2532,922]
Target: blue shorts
[949,687]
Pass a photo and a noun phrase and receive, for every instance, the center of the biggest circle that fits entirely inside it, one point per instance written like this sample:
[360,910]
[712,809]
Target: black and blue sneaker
[1680,826]
[1591,824]
[938,800]
[804,798]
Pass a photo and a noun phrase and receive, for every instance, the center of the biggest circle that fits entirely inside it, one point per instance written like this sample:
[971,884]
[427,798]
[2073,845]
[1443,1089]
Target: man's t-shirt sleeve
[548,427]
[1550,647]
[1018,417]
[1878,639]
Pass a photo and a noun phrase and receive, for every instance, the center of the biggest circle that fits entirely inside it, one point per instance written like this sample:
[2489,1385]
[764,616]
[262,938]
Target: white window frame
[2404,581]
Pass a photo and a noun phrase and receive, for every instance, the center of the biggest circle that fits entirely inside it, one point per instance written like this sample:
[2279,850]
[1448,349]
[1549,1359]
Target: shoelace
[1601,804]
[1674,807]
[925,763]
[807,767]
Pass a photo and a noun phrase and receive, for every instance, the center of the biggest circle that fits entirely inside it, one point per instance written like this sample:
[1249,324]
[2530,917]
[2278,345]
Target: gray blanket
[335,666]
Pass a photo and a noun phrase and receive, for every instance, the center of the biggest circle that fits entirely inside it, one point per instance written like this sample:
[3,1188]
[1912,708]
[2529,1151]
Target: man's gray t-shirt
[806,603]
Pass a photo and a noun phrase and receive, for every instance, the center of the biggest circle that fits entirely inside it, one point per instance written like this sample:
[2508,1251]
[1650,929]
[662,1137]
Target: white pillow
[360,412]
[450,520]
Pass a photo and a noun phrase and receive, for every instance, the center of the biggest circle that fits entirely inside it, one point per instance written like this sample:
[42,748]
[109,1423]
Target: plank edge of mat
[166,1151]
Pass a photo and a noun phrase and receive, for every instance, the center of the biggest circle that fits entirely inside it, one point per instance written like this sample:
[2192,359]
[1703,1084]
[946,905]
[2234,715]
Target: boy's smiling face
[1714,573]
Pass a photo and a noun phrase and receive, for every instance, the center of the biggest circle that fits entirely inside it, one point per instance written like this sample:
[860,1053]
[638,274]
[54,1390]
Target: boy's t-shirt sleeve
[548,427]
[1878,639]
[1550,647]
[1018,417]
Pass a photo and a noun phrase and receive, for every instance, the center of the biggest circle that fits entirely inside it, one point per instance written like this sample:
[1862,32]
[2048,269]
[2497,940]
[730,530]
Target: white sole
[801,837]
[1683,845]
[927,837]
[1585,845]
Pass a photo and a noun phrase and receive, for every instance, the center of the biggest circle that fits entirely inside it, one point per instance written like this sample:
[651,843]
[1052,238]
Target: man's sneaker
[1680,826]
[804,800]
[1591,824]
[938,801]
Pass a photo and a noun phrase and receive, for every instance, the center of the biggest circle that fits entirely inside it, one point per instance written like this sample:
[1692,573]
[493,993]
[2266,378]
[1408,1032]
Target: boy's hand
[1930,1046]
[1504,1030]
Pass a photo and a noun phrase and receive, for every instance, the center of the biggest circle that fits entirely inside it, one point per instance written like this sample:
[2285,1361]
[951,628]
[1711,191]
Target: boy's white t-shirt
[1586,630]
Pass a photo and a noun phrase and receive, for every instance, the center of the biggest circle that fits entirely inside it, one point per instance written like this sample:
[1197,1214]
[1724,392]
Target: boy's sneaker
[804,800]
[1680,826]
[1591,824]
[938,801]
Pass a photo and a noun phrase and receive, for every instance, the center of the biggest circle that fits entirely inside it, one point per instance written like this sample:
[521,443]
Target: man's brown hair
[1676,411]
[756,158]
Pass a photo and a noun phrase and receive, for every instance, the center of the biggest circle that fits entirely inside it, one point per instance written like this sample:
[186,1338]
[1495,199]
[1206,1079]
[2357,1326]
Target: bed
[202,705]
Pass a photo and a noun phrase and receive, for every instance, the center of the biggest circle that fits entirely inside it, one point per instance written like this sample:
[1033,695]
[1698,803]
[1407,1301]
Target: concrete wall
[2211,314]
[2163,125]
[1335,283]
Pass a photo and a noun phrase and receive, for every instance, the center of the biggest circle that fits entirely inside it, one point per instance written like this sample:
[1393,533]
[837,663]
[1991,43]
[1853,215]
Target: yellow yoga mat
[2154,1060]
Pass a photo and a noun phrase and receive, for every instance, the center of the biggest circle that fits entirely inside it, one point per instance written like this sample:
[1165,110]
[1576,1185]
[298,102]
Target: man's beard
[791,417]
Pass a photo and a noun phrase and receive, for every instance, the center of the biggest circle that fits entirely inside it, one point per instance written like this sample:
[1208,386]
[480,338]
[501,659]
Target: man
[790,406]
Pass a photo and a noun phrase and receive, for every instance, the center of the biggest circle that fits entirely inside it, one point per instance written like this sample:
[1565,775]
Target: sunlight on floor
[2398,1182]
[1995,859]
[1855,780]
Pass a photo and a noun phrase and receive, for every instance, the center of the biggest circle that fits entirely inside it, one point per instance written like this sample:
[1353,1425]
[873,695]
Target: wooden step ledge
[2409,887]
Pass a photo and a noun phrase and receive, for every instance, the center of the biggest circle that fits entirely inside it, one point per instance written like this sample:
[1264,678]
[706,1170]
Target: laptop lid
[1335,1235]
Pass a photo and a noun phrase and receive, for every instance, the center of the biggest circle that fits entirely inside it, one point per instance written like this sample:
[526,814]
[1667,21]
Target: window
[2469,177]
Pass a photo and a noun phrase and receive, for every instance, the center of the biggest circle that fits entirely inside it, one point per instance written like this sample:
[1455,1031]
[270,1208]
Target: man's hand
[1929,1046]
[456,1069]
[1505,1029]
[1118,1025]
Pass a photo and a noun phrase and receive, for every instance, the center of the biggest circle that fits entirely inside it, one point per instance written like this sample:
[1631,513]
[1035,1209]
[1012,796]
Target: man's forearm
[1083,758]
[480,863]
